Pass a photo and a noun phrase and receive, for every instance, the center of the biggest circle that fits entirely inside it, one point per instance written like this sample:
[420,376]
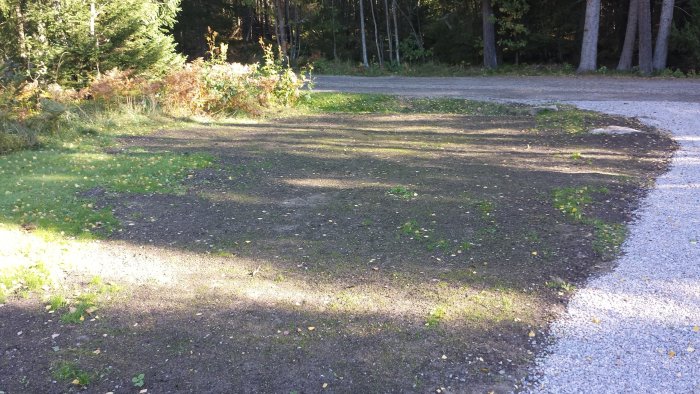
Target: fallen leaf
[75,382]
[690,349]
[444,357]
[531,334]
[312,328]
[97,351]
[595,320]
[696,328]
[325,385]
[671,354]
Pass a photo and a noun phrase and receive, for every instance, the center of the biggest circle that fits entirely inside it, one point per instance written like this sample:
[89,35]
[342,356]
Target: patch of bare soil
[366,253]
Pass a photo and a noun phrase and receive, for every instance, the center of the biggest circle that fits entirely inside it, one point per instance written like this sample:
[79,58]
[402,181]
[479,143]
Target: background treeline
[443,31]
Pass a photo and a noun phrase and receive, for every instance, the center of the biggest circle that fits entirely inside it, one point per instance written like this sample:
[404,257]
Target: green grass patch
[567,120]
[23,280]
[386,104]
[44,188]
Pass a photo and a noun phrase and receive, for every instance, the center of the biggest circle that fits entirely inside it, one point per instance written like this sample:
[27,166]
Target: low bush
[29,111]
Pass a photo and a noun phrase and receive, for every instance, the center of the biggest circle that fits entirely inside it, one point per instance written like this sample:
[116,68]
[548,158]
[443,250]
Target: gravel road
[636,329]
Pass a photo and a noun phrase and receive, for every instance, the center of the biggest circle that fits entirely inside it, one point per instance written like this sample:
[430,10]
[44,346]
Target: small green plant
[561,285]
[435,316]
[486,208]
[576,156]
[69,372]
[411,228]
[402,192]
[139,380]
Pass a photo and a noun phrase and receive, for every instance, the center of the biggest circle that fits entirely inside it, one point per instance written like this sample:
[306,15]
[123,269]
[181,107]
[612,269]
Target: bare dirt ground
[346,253]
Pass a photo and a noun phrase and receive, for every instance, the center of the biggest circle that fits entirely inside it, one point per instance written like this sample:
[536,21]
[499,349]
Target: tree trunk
[363,36]
[281,29]
[93,20]
[489,29]
[380,58]
[388,31]
[21,34]
[625,63]
[335,45]
[589,48]
[645,47]
[661,49]
[396,32]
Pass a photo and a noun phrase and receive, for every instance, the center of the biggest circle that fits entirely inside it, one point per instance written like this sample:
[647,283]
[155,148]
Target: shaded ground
[351,253]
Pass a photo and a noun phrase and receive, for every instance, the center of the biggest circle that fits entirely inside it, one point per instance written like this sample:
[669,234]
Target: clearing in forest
[366,244]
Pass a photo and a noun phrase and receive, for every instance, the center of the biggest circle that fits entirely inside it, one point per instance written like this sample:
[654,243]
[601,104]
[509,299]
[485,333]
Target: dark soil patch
[367,253]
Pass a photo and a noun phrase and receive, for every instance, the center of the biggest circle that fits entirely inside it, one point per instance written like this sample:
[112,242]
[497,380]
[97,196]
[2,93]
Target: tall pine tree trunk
[645,47]
[661,49]
[363,35]
[589,47]
[388,31]
[625,63]
[380,57]
[489,30]
[396,31]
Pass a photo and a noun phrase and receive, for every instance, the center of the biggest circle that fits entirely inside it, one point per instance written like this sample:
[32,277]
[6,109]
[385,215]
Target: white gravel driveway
[636,329]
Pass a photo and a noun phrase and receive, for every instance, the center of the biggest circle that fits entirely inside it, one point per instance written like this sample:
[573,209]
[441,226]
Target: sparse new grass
[567,120]
[22,279]
[573,202]
[70,372]
[329,261]
[402,192]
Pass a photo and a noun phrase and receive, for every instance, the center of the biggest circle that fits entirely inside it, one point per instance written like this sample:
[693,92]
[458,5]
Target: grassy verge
[319,103]
[50,190]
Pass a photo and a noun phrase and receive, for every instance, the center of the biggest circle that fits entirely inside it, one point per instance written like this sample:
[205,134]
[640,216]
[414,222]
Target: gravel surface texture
[635,329]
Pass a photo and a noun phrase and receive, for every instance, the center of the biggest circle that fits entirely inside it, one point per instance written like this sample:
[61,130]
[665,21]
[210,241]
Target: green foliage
[684,46]
[66,43]
[511,29]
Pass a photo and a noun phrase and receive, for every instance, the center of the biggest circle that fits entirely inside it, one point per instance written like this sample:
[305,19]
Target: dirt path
[522,88]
